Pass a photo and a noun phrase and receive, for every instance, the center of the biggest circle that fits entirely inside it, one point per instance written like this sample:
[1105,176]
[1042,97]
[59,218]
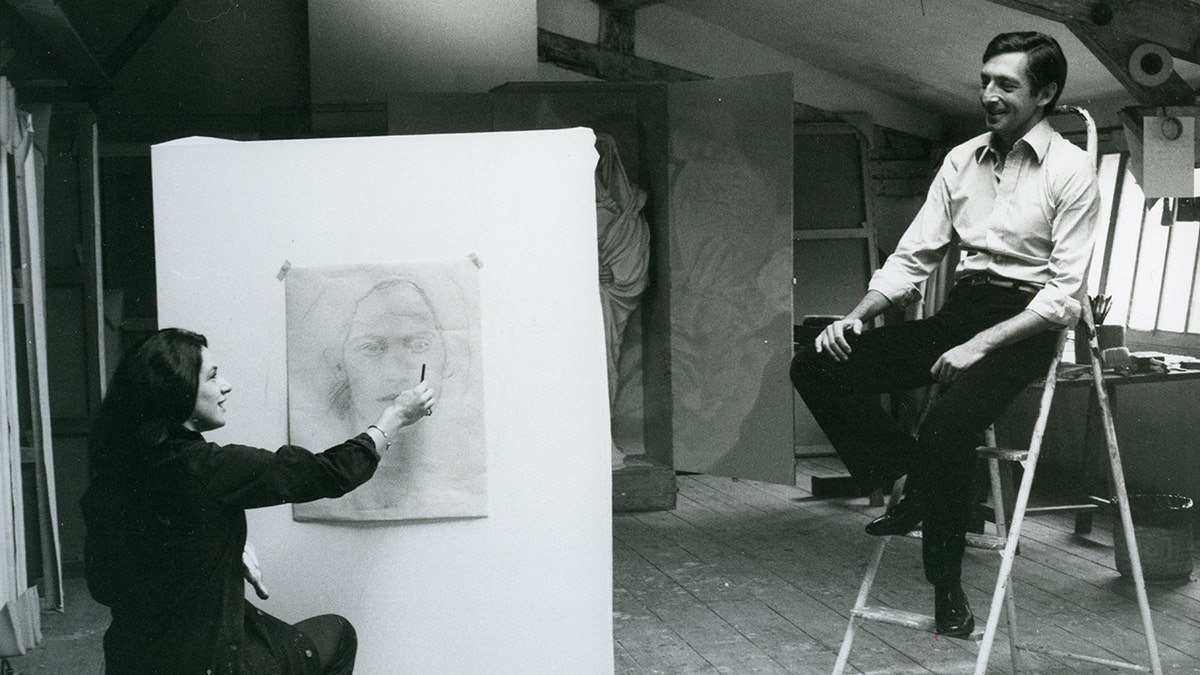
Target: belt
[982,278]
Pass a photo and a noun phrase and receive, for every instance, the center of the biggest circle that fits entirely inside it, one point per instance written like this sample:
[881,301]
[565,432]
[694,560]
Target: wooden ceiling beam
[1174,24]
[606,64]
[1113,29]
[152,18]
[1113,48]
[613,5]
[617,29]
[48,21]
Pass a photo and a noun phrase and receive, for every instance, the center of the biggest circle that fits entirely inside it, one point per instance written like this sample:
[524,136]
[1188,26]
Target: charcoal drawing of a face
[359,335]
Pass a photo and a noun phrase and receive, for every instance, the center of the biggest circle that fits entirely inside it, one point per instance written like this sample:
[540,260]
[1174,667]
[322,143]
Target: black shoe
[902,518]
[951,612]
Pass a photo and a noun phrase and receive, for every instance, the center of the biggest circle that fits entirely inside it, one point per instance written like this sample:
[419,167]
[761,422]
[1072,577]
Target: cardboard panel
[527,589]
[731,276]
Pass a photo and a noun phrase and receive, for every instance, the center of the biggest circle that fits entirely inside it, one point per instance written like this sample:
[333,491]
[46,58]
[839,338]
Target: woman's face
[209,413]
[393,335]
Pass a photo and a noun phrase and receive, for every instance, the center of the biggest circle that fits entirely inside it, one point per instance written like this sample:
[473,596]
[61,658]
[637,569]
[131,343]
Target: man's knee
[806,371]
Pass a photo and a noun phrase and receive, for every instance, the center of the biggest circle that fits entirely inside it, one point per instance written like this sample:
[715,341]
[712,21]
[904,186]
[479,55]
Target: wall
[527,589]
[672,37]
[362,51]
[211,67]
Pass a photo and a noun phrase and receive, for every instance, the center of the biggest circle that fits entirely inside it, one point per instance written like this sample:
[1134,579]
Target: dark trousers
[941,461]
[336,642]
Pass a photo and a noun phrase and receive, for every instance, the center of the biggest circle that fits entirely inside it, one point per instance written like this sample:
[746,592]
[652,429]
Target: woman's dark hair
[152,391]
[1046,61]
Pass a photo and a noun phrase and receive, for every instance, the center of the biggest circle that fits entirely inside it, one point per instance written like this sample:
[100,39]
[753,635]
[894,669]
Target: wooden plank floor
[747,577]
[71,640]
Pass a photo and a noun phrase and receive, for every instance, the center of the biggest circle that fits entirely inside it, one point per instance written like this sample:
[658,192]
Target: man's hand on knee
[833,341]
[953,362]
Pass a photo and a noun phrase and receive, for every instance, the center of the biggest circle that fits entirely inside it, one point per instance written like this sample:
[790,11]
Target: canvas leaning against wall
[358,335]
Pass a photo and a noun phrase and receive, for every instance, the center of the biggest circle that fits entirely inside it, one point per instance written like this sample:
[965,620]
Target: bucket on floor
[1163,527]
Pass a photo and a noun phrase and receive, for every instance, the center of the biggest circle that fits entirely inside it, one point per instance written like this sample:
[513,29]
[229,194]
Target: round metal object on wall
[1171,128]
[1150,64]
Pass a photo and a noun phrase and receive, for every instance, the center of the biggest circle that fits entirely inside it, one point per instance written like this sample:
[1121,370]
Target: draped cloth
[623,242]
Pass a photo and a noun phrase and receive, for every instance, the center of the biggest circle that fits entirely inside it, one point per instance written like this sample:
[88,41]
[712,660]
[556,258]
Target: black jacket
[164,551]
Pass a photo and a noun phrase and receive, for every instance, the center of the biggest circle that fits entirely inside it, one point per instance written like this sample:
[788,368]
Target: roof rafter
[1113,49]
[52,25]
[612,5]
[151,19]
[1112,29]
[1174,24]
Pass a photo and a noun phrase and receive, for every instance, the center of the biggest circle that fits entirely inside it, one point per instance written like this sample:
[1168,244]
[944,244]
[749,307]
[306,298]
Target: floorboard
[781,571]
[749,577]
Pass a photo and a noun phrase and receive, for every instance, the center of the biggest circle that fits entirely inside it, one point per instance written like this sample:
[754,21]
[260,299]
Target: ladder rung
[1060,508]
[899,617]
[1125,665]
[1007,454]
[985,542]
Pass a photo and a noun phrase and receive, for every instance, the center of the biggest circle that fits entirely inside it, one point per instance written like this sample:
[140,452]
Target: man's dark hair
[1046,61]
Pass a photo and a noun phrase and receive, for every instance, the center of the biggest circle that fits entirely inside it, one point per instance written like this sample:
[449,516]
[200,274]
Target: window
[1150,270]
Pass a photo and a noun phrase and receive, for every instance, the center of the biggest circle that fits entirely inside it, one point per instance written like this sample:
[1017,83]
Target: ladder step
[983,542]
[1006,454]
[1060,508]
[899,617]
[1086,658]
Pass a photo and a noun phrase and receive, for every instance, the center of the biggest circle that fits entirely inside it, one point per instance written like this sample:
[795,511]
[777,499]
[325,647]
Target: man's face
[1011,106]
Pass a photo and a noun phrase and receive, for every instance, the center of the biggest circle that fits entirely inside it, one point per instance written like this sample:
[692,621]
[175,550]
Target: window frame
[1156,339]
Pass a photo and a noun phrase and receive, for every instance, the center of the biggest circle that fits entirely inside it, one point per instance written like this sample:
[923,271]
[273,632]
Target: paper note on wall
[1169,156]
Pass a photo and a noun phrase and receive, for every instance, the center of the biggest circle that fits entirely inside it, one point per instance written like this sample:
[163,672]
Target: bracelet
[385,436]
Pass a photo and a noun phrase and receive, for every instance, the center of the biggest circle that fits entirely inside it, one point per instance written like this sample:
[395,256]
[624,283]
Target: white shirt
[1032,218]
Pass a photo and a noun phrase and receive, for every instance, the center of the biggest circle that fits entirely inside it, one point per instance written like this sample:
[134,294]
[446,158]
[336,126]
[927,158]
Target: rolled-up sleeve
[920,249]
[1073,232]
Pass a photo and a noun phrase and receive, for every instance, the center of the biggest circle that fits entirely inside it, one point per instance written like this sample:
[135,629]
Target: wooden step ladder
[1007,537]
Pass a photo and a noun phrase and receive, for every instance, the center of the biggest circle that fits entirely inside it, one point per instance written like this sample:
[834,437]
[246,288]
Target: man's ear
[1046,94]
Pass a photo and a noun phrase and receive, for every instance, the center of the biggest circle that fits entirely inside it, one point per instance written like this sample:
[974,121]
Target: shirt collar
[1038,139]
[182,432]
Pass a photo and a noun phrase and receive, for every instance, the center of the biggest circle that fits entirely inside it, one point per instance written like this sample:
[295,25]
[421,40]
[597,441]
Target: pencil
[422,372]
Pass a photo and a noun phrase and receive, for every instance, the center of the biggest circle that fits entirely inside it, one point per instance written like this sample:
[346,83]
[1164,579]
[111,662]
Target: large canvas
[358,335]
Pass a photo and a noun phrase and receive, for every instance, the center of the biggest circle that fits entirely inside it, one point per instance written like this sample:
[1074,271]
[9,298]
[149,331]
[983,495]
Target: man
[1022,202]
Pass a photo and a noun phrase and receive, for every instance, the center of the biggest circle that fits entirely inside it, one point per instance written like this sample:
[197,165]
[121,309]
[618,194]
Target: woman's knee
[336,641]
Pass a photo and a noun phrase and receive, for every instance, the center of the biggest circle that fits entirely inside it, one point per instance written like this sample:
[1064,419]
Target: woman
[166,524]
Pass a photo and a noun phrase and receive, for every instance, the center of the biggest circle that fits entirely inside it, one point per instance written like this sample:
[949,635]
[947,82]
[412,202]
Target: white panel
[1124,249]
[1181,261]
[1107,178]
[12,546]
[730,277]
[527,589]
[1147,283]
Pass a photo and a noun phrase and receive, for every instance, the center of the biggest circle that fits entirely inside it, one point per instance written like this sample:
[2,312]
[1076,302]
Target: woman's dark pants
[336,642]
